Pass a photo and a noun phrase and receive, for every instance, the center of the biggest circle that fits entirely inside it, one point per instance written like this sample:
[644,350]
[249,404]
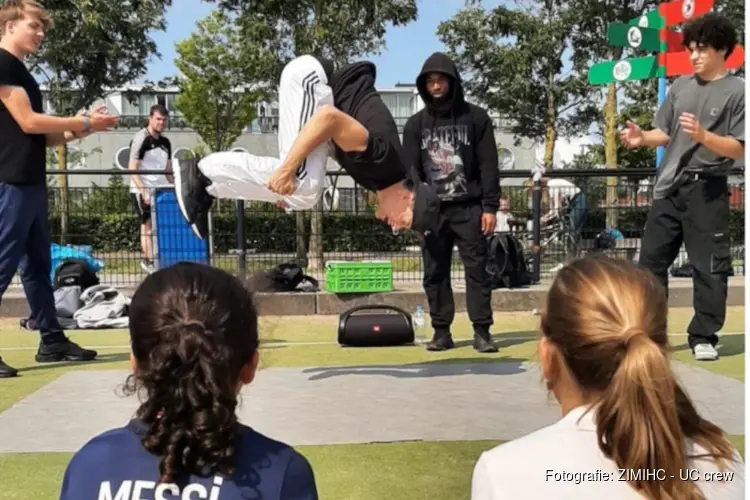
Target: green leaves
[336,30]
[96,45]
[223,79]
[512,61]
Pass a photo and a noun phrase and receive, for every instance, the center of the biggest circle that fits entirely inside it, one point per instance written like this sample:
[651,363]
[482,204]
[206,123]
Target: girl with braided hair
[194,340]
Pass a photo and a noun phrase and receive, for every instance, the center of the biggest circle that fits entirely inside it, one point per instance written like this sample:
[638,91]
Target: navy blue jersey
[116,466]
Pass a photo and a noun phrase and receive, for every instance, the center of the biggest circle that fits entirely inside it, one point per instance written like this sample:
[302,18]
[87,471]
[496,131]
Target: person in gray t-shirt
[702,128]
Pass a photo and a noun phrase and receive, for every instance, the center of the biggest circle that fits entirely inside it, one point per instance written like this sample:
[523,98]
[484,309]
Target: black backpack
[506,263]
[75,272]
[286,277]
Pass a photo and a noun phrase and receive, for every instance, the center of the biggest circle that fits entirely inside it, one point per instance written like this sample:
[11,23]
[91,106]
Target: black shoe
[7,371]
[441,341]
[483,342]
[192,198]
[63,351]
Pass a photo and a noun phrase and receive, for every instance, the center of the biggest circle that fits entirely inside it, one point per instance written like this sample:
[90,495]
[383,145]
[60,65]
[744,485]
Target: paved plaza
[431,401]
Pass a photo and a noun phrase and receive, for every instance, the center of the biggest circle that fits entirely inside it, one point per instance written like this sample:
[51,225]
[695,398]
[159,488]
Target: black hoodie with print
[451,143]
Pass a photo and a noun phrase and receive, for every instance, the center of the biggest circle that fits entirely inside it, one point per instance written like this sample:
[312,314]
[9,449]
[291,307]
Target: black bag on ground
[382,328]
[286,277]
[75,272]
[506,262]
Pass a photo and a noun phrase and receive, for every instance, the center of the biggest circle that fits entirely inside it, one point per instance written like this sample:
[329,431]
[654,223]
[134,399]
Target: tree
[223,79]
[336,30]
[95,45]
[513,63]
[589,42]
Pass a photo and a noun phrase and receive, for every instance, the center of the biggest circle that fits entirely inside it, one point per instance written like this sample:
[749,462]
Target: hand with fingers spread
[101,109]
[632,136]
[692,127]
[101,121]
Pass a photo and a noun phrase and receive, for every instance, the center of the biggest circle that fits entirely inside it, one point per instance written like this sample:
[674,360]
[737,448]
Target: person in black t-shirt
[322,112]
[194,338]
[25,133]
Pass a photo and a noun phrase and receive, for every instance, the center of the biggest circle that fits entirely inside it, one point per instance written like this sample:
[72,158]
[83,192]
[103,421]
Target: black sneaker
[7,371]
[441,341]
[483,342]
[192,198]
[63,351]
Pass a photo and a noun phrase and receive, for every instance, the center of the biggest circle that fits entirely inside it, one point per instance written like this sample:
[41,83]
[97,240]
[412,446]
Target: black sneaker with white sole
[192,198]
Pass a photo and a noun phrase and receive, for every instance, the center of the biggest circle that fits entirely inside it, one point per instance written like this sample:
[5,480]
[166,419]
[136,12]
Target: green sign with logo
[626,70]
[626,35]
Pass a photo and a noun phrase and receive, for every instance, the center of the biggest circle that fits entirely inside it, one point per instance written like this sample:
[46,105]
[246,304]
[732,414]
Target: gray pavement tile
[431,402]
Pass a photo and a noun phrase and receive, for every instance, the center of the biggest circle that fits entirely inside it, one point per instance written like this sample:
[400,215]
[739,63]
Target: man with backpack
[451,146]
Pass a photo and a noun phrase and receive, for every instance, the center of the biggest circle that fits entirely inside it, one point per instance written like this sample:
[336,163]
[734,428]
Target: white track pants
[303,89]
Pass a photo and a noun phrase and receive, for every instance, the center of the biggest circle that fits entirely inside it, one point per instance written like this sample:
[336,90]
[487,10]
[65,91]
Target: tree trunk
[610,152]
[551,134]
[62,164]
[317,260]
[301,240]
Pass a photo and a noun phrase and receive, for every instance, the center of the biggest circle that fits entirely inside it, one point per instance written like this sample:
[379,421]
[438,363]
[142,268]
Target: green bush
[103,218]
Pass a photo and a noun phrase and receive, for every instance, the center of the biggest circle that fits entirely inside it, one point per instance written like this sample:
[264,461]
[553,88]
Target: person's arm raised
[327,123]
[16,100]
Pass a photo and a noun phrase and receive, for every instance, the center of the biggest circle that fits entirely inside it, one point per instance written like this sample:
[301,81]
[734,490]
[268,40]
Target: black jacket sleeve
[488,161]
[413,147]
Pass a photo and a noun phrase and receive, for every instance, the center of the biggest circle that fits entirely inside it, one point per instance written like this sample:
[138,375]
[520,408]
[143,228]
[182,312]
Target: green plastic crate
[365,276]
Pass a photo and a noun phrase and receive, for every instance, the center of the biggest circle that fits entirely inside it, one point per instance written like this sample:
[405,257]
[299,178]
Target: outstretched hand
[101,121]
[692,127]
[632,136]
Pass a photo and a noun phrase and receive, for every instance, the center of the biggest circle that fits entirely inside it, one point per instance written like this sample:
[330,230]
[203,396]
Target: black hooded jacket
[451,143]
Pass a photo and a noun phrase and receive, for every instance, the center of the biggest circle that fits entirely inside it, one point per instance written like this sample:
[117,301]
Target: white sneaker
[148,267]
[705,352]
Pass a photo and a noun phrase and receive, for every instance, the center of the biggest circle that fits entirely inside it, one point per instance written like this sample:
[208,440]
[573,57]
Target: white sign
[635,37]
[688,8]
[643,22]
[622,70]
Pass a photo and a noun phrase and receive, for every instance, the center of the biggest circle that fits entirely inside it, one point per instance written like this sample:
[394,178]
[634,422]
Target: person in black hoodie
[451,144]
[322,111]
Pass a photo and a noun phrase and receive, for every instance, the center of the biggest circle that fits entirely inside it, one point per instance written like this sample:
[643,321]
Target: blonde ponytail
[638,424]
[608,319]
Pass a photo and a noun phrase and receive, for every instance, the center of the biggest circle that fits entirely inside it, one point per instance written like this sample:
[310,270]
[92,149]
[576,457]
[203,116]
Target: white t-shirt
[560,190]
[543,465]
[154,153]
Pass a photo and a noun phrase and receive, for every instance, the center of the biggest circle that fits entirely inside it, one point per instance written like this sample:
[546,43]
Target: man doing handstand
[321,112]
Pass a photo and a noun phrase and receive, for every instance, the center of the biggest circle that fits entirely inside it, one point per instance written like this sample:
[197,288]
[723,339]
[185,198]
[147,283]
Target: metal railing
[261,125]
[248,236]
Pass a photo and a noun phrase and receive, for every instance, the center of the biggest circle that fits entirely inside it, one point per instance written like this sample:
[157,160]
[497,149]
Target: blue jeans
[25,247]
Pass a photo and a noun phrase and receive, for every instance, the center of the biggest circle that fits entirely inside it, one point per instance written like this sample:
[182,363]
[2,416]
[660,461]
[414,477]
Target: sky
[400,60]
[395,64]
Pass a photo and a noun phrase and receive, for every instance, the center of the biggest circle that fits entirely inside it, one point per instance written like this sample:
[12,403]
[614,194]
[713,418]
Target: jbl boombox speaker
[380,328]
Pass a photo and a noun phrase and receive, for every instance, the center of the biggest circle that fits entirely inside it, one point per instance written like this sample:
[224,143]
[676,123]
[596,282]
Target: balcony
[261,125]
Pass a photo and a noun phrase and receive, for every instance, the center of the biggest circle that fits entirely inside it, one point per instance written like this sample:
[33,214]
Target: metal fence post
[536,216]
[241,240]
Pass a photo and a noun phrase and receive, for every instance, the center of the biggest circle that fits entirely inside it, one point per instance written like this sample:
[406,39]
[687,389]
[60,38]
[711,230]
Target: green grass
[348,472]
[436,471]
